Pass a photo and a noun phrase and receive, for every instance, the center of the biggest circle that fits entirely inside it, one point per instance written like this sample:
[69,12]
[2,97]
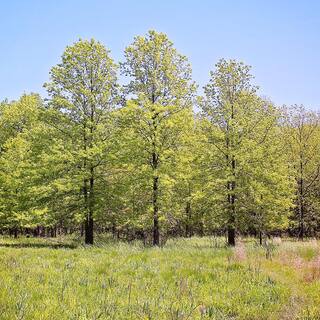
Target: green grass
[197,278]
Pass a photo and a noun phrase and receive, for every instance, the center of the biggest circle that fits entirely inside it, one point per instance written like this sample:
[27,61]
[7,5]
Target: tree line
[151,158]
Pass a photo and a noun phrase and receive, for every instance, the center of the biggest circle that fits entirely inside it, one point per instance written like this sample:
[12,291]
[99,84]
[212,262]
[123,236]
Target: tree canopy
[149,158]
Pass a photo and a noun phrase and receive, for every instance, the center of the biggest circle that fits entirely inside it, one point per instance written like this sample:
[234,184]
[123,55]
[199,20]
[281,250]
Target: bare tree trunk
[231,187]
[301,202]
[156,233]
[231,236]
[89,218]
[189,223]
[89,231]
[232,209]
[155,193]
[88,225]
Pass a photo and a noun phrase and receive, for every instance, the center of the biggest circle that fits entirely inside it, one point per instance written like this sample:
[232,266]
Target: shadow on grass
[39,245]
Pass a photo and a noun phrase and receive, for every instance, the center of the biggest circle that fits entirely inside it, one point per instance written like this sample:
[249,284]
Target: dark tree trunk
[88,190]
[154,165]
[188,223]
[89,230]
[231,185]
[36,231]
[231,236]
[156,232]
[301,205]
[260,238]
[88,224]
[231,200]
[89,218]
[301,194]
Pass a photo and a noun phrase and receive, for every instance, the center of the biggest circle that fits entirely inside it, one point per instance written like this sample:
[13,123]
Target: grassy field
[197,278]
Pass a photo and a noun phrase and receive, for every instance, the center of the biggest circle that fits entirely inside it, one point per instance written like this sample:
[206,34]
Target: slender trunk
[231,204]
[301,202]
[156,233]
[260,238]
[89,198]
[88,224]
[88,183]
[88,142]
[231,184]
[154,165]
[232,198]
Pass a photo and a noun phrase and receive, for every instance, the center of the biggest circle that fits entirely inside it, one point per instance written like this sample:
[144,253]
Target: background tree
[239,126]
[155,164]
[82,94]
[20,191]
[162,88]
[302,132]
[189,191]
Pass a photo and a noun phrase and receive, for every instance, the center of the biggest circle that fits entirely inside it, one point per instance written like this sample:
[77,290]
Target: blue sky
[279,39]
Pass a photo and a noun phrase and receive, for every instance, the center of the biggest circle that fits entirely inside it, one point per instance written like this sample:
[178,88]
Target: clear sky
[279,39]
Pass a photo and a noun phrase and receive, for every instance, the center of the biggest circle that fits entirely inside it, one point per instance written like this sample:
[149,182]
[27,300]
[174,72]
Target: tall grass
[197,278]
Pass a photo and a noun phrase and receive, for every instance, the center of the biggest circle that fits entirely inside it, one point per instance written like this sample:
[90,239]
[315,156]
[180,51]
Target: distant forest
[152,159]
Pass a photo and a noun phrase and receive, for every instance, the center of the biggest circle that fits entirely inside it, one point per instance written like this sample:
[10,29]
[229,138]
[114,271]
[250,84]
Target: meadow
[197,278]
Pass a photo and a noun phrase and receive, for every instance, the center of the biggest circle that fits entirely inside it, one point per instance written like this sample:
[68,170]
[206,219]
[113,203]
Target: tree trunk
[89,220]
[89,230]
[231,236]
[301,190]
[301,205]
[88,225]
[231,184]
[156,233]
[231,200]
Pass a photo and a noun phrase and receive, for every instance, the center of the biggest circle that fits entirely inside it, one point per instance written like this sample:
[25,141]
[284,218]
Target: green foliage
[158,115]
[252,183]
[19,186]
[83,92]
[141,161]
[302,136]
